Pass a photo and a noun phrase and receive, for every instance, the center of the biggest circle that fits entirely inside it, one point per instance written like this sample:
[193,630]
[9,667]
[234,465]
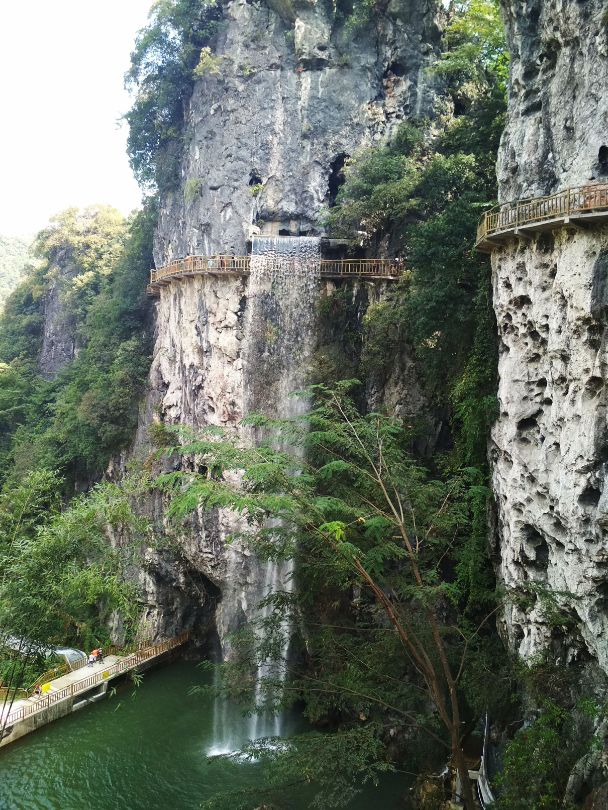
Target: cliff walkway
[576,206]
[58,695]
[382,269]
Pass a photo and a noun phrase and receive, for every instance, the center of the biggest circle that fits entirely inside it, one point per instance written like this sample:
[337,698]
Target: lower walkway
[62,695]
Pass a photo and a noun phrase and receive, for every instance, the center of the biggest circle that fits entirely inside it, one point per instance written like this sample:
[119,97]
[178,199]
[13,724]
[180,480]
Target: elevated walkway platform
[375,269]
[72,691]
[580,207]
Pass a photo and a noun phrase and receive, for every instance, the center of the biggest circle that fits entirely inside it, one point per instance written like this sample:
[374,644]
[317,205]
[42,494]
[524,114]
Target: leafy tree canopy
[76,421]
[360,515]
[166,54]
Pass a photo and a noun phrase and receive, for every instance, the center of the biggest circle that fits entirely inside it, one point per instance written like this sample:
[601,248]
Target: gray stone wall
[549,447]
[297,92]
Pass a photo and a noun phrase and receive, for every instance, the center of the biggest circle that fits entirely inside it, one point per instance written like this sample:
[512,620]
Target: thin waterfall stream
[282,294]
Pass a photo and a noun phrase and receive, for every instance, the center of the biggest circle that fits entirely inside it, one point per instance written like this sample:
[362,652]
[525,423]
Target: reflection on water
[143,749]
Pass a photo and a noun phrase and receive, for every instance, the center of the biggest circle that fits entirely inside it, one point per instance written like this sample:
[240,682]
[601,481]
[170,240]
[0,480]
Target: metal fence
[123,665]
[240,265]
[512,215]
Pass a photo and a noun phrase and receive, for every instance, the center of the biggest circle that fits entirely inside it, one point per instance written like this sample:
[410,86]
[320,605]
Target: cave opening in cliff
[396,69]
[602,160]
[336,178]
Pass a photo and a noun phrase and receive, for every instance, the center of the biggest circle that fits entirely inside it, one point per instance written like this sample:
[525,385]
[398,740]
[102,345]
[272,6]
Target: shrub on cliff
[163,64]
[60,579]
[421,195]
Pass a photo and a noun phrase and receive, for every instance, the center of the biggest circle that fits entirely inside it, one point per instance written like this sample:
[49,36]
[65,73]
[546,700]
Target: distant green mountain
[13,256]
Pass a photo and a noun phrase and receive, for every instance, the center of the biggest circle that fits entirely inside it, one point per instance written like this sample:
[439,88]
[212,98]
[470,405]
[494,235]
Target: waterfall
[283,289]
[279,339]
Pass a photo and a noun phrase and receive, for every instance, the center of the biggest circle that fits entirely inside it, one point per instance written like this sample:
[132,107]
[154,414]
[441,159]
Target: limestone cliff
[265,141]
[549,448]
[298,91]
[59,336]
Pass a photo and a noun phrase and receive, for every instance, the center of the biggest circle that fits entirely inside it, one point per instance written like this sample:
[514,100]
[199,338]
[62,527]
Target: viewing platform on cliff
[84,684]
[579,207]
[379,269]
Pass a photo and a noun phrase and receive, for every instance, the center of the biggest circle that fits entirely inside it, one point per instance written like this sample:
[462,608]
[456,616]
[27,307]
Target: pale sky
[61,92]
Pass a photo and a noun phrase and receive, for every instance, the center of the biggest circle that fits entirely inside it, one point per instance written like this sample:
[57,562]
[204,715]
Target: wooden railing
[513,215]
[195,265]
[129,662]
[376,268]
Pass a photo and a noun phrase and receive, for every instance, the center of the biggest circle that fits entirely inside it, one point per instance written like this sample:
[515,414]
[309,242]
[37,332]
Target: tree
[60,577]
[166,54]
[361,508]
[77,421]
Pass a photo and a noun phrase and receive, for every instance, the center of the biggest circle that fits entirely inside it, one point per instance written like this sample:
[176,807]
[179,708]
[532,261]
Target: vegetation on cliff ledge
[74,420]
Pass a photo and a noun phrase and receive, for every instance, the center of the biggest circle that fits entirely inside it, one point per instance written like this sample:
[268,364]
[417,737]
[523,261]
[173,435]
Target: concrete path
[63,680]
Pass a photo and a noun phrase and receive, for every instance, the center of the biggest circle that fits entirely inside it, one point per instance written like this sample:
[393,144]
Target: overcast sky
[61,90]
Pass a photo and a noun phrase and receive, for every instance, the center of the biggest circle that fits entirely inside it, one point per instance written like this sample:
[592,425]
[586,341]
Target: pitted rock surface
[549,447]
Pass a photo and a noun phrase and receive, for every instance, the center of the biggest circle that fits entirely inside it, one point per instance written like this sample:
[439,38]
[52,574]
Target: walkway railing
[240,265]
[520,213]
[374,268]
[129,662]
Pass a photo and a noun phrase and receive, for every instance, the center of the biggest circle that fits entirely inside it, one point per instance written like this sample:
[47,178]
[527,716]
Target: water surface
[143,749]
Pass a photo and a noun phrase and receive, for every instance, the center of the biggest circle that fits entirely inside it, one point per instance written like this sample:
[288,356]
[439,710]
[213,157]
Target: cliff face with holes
[293,93]
[550,444]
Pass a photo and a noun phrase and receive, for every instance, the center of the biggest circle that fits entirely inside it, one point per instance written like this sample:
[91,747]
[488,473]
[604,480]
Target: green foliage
[77,421]
[422,195]
[359,514]
[208,64]
[192,189]
[360,16]
[385,326]
[21,322]
[90,242]
[475,47]
[339,337]
[379,186]
[60,577]
[538,762]
[168,52]
[473,396]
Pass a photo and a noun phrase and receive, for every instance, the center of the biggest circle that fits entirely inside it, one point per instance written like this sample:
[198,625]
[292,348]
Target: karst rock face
[296,93]
[549,445]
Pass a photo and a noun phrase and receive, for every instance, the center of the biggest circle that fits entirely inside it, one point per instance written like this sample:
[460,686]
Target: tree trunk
[466,788]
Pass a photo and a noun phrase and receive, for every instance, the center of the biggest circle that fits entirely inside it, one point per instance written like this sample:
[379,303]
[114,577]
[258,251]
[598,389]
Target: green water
[142,749]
